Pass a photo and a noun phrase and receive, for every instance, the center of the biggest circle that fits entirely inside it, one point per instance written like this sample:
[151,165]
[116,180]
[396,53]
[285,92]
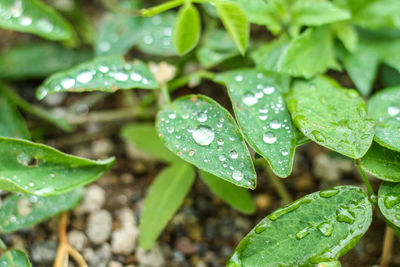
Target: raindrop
[84,77]
[249,99]
[239,78]
[263,117]
[120,76]
[220,142]
[259,95]
[391,200]
[318,136]
[185,116]
[148,39]
[191,153]
[136,77]
[222,158]
[202,117]
[67,83]
[302,233]
[261,228]
[172,116]
[269,138]
[203,135]
[25,21]
[393,111]
[31,184]
[233,154]
[328,192]
[45,25]
[237,175]
[103,69]
[268,90]
[284,152]
[275,124]
[325,228]
[343,214]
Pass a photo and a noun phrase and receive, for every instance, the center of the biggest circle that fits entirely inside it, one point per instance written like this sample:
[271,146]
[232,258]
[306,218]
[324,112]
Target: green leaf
[332,116]
[14,258]
[107,74]
[237,197]
[203,133]
[319,227]
[165,196]
[309,54]
[384,107]
[187,29]
[235,22]
[33,168]
[23,211]
[12,124]
[263,117]
[347,34]
[389,201]
[32,16]
[144,137]
[382,162]
[38,60]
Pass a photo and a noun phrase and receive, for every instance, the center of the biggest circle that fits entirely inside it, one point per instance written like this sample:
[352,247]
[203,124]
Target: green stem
[165,94]
[167,6]
[364,178]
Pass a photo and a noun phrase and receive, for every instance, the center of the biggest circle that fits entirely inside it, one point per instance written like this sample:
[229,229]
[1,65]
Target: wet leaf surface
[389,201]
[14,258]
[12,124]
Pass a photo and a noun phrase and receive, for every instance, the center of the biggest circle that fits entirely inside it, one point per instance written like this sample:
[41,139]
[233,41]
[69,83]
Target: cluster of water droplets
[392,202]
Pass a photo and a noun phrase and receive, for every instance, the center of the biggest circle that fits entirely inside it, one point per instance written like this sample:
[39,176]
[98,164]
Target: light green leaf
[37,60]
[237,197]
[144,137]
[332,116]
[309,54]
[263,117]
[14,258]
[22,211]
[12,124]
[319,227]
[382,162]
[203,133]
[347,34]
[235,22]
[384,107]
[33,16]
[187,29]
[389,201]
[107,74]
[165,196]
[33,168]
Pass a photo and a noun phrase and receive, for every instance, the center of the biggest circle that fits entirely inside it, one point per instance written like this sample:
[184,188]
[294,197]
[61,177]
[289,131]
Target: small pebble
[152,257]
[263,201]
[115,264]
[123,240]
[102,148]
[44,253]
[99,226]
[93,200]
[77,239]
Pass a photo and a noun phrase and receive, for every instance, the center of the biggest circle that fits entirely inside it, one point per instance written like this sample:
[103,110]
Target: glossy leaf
[263,117]
[12,124]
[235,22]
[382,162]
[332,116]
[384,107]
[145,138]
[32,16]
[101,74]
[165,196]
[203,133]
[22,211]
[389,201]
[37,60]
[14,258]
[33,168]
[319,227]
[187,29]
[237,197]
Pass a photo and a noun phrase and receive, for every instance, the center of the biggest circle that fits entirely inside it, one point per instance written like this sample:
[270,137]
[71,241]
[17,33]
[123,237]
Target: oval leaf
[235,22]
[12,123]
[165,196]
[33,16]
[106,74]
[203,133]
[384,107]
[319,227]
[389,201]
[382,162]
[41,170]
[22,211]
[187,29]
[332,116]
[14,258]
[263,117]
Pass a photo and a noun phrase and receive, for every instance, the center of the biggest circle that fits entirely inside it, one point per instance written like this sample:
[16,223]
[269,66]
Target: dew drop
[328,192]
[31,184]
[391,200]
[263,117]
[393,111]
[325,228]
[249,99]
[120,76]
[302,233]
[220,142]
[275,124]
[343,214]
[269,138]
[237,175]
[172,116]
[191,153]
[222,158]
[45,25]
[318,136]
[203,135]
[284,152]
[84,77]
[261,228]
[239,78]
[202,117]
[233,154]
[148,39]
[268,90]
[136,77]
[103,69]
[67,83]
[25,21]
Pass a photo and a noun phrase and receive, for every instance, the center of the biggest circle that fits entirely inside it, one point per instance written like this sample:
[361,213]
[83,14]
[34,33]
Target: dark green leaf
[263,117]
[14,258]
[389,201]
[33,16]
[332,116]
[319,227]
[18,212]
[382,162]
[203,133]
[12,123]
[41,170]
[101,74]
[165,196]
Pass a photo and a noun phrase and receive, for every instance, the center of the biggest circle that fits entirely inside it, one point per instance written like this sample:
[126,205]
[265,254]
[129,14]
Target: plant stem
[277,184]
[364,178]
[387,247]
[165,94]
[167,6]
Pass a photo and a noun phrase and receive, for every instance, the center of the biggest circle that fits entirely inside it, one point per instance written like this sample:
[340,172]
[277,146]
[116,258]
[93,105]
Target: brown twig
[387,247]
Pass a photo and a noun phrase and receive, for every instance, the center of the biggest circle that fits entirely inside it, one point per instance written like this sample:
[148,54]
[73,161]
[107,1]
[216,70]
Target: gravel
[99,226]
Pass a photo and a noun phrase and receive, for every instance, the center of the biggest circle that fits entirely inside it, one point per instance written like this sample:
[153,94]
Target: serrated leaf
[384,107]
[38,169]
[37,60]
[235,22]
[106,74]
[203,133]
[22,211]
[319,227]
[263,117]
[332,116]
[382,162]
[389,201]
[187,29]
[14,258]
[12,123]
[237,197]
[32,16]
[144,137]
[165,196]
